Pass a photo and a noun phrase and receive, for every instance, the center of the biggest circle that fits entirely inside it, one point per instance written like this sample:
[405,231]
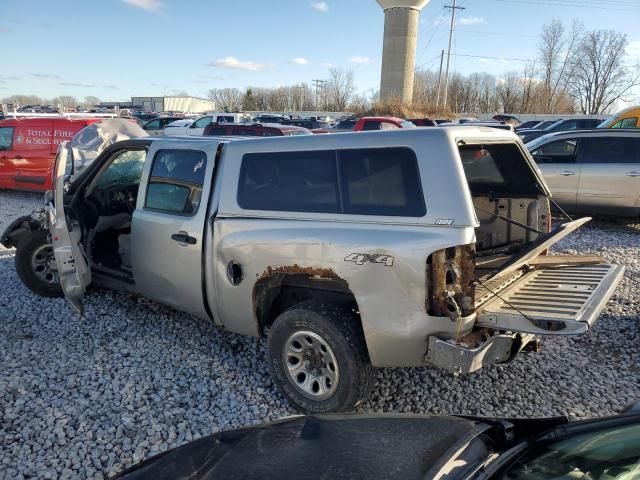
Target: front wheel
[36,265]
[318,359]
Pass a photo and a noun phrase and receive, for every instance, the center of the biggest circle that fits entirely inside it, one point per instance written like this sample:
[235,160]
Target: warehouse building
[165,104]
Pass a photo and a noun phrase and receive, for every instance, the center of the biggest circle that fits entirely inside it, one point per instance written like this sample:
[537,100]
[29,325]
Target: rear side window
[289,181]
[175,183]
[224,119]
[609,150]
[560,151]
[376,181]
[480,166]
[6,138]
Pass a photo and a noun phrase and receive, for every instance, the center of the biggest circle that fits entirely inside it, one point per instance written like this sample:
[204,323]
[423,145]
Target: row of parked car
[589,170]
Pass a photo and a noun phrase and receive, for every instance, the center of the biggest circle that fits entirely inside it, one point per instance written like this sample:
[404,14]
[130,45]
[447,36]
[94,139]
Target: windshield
[407,124]
[602,455]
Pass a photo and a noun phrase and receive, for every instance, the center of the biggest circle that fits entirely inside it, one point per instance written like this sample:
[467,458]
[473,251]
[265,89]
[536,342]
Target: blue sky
[114,49]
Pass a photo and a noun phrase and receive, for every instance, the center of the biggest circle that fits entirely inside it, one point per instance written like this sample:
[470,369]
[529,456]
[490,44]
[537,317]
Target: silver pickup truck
[424,247]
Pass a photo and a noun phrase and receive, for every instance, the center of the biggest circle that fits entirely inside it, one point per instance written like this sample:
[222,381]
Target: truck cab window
[175,183]
[202,122]
[371,126]
[123,172]
[6,138]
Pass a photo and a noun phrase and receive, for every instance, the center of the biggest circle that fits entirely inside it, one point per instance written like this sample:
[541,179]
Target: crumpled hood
[328,446]
[89,142]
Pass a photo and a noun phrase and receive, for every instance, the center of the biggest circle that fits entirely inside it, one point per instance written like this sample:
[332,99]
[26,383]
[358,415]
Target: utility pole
[446,73]
[439,80]
[319,85]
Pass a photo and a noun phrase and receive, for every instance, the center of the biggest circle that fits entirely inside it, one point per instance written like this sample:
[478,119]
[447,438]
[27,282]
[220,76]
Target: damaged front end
[22,228]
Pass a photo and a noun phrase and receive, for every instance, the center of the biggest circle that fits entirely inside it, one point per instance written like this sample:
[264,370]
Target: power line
[437,24]
[512,58]
[466,30]
[446,73]
[567,3]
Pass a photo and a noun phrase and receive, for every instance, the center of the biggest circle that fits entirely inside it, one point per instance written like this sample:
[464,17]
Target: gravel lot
[87,397]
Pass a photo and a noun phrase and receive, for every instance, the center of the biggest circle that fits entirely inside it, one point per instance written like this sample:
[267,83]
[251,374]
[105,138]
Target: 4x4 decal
[361,258]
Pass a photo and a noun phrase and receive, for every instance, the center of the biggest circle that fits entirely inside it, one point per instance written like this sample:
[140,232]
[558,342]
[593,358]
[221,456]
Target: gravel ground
[87,397]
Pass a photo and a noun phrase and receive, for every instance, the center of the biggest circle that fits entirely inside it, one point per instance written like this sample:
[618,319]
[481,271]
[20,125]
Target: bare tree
[90,101]
[600,77]
[339,89]
[227,99]
[508,91]
[557,50]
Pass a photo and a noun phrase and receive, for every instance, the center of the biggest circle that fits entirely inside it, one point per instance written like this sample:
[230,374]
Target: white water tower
[399,48]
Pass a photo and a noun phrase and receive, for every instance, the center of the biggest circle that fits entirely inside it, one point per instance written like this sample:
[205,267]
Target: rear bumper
[457,358]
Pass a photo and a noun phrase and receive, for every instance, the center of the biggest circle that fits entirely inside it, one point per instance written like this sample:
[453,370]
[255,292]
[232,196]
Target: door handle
[566,173]
[633,174]
[18,157]
[184,237]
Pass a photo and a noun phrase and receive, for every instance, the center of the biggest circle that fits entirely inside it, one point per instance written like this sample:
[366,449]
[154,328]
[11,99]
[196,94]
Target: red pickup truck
[28,149]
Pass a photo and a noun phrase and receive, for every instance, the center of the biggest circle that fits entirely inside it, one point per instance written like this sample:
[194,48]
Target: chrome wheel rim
[43,264]
[311,365]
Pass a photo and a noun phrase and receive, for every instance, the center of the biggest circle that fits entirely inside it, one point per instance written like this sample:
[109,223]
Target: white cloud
[73,84]
[360,59]
[235,64]
[44,76]
[327,65]
[470,20]
[320,6]
[299,61]
[153,6]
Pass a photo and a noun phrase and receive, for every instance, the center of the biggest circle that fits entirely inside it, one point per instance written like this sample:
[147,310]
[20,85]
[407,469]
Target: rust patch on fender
[313,272]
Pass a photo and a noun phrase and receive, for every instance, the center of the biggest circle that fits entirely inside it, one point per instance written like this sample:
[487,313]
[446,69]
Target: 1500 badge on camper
[361,258]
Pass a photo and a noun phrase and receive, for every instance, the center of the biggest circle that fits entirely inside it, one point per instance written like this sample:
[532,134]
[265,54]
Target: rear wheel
[36,265]
[318,359]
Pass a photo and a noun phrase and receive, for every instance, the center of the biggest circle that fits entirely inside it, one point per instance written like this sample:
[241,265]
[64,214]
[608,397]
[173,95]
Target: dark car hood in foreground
[331,447]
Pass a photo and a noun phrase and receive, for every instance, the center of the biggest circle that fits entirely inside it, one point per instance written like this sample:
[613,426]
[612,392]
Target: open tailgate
[564,300]
[561,299]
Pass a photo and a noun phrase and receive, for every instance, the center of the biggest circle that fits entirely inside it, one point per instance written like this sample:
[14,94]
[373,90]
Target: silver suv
[420,247]
[592,171]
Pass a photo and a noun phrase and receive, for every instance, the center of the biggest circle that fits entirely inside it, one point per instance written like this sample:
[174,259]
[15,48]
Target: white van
[196,128]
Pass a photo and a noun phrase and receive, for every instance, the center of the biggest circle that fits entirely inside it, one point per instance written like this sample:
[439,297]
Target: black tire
[340,329]
[26,249]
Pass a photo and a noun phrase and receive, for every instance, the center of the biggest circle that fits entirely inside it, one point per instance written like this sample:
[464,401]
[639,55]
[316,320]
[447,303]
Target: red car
[381,123]
[367,124]
[253,130]
[28,149]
